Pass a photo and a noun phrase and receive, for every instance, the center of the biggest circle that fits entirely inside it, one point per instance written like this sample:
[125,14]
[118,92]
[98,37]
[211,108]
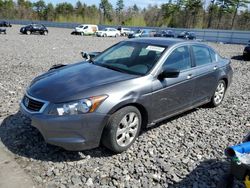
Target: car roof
[159,41]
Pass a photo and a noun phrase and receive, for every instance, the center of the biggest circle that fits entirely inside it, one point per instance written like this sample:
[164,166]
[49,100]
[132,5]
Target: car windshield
[130,57]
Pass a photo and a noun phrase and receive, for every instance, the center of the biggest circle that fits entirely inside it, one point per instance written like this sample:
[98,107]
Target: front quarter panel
[134,91]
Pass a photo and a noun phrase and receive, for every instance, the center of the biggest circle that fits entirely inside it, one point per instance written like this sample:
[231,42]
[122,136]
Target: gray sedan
[132,85]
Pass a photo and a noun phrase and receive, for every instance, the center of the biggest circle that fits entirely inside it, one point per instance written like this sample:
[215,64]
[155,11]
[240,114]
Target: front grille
[32,104]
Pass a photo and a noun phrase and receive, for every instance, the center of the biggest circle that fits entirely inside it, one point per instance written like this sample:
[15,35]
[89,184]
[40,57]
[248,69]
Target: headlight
[78,107]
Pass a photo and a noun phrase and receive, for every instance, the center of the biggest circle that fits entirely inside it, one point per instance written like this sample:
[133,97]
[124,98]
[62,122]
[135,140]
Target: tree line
[217,14]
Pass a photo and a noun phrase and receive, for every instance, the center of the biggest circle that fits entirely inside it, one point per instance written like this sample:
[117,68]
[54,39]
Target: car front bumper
[72,132]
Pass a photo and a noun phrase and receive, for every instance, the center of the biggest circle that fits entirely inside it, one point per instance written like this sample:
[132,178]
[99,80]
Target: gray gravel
[185,151]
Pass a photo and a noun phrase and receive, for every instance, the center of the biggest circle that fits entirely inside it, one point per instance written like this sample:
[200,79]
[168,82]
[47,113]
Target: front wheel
[122,129]
[45,32]
[28,32]
[218,94]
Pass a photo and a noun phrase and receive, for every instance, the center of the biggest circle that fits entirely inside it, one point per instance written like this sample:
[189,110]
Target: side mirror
[85,56]
[88,56]
[169,73]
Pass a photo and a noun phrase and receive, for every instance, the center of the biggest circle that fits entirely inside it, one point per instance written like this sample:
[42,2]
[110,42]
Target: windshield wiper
[116,68]
[113,68]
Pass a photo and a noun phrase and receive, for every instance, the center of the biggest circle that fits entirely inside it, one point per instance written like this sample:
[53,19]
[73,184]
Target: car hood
[70,82]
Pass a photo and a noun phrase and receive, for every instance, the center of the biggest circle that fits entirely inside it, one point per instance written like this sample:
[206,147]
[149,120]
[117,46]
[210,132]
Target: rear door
[173,95]
[206,73]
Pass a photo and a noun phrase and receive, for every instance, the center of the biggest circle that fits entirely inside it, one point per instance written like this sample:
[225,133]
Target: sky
[139,3]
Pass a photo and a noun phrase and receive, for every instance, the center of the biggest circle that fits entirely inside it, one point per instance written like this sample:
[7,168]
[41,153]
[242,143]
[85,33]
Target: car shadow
[214,171]
[238,57]
[168,120]
[22,139]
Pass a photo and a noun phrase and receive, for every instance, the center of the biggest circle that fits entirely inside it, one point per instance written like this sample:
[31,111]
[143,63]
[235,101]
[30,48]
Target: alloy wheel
[219,93]
[127,129]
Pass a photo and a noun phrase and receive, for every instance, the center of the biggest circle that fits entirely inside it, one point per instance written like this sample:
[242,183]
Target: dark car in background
[34,28]
[246,52]
[132,85]
[5,24]
[165,33]
[142,33]
[187,35]
[2,31]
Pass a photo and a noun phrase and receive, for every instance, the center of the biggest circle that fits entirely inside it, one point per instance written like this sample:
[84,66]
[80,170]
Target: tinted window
[213,56]
[179,59]
[201,55]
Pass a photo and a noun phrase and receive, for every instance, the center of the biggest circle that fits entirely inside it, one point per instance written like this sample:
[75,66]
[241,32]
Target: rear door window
[201,55]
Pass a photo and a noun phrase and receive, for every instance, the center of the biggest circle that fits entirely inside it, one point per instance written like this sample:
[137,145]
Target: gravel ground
[185,151]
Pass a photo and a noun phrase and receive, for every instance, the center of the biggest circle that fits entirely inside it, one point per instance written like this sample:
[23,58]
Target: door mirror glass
[169,73]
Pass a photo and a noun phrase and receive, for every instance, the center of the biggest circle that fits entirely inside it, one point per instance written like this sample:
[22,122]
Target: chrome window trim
[46,103]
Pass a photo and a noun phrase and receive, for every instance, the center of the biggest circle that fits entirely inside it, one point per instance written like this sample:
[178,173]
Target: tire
[116,35]
[45,33]
[28,32]
[219,94]
[120,133]
[104,35]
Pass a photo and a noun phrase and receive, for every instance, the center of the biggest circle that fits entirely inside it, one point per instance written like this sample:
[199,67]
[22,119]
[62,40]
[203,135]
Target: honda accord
[132,85]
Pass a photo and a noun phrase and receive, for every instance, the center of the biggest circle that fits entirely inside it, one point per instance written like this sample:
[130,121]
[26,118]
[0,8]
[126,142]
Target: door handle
[189,76]
[215,67]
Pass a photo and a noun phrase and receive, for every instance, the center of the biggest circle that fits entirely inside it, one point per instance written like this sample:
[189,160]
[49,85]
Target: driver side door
[174,95]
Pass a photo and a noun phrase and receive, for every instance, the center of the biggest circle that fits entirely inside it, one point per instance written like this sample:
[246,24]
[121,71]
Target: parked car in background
[187,35]
[164,33]
[5,24]
[142,33]
[132,85]
[85,29]
[2,31]
[246,52]
[108,32]
[34,28]
[125,31]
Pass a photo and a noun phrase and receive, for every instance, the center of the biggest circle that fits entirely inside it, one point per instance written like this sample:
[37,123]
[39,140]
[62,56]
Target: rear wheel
[218,94]
[122,129]
[104,35]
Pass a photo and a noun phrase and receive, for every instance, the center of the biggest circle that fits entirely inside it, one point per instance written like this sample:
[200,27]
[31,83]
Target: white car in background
[125,31]
[108,32]
[86,29]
